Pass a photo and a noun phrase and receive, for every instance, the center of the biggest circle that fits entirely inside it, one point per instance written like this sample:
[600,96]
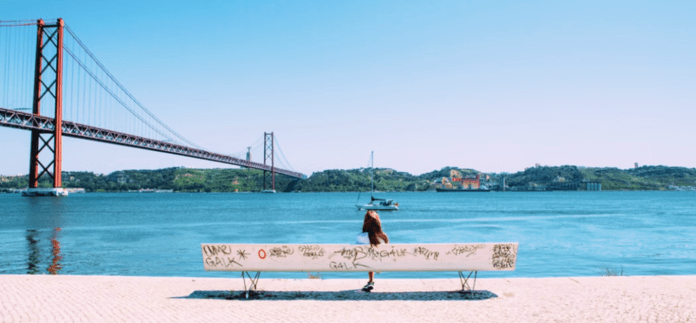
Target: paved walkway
[45,298]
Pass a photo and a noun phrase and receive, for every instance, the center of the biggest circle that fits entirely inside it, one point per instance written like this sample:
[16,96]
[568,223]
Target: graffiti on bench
[344,257]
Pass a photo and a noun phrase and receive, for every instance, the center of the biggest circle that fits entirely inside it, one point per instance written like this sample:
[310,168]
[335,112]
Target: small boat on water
[268,191]
[380,205]
[376,203]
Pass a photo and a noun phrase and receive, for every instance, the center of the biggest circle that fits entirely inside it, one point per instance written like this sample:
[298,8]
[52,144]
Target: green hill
[353,180]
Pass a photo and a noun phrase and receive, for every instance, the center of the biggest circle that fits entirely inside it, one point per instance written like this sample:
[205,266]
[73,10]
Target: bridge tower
[48,79]
[268,155]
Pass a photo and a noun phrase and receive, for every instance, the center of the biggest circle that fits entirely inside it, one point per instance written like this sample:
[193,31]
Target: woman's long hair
[373,226]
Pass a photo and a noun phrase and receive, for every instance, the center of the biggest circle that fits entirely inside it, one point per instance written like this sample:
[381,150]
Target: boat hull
[461,190]
[378,207]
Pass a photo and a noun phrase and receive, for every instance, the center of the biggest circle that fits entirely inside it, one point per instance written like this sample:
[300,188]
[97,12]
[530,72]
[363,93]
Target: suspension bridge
[54,86]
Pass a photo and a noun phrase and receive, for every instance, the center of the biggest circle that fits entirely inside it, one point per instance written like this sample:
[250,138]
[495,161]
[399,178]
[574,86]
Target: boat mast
[372,174]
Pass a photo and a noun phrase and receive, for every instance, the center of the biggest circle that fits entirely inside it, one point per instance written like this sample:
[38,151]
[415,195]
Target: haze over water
[559,233]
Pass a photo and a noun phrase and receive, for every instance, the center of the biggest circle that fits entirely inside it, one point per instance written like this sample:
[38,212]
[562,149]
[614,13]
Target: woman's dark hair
[373,226]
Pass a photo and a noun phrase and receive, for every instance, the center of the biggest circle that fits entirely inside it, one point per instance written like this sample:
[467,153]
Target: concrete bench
[459,257]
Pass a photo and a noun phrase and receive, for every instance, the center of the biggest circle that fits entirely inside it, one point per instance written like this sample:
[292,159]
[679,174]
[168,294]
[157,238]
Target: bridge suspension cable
[16,68]
[283,161]
[253,148]
[154,123]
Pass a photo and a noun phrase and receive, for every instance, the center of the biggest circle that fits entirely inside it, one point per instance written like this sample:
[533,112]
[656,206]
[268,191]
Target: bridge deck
[29,121]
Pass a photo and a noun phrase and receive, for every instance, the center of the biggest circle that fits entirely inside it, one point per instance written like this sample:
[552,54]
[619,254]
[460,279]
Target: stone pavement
[45,298]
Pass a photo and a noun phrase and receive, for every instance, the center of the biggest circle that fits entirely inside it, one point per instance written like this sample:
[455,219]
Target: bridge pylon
[268,155]
[48,79]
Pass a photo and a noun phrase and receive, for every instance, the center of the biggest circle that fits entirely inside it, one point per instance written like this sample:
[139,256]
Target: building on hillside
[471,182]
[455,174]
[593,186]
[460,181]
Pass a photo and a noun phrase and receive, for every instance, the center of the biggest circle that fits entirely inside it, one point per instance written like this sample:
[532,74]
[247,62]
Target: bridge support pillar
[268,155]
[48,80]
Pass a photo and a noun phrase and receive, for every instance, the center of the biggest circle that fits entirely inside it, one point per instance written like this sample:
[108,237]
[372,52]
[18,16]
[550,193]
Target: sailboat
[375,203]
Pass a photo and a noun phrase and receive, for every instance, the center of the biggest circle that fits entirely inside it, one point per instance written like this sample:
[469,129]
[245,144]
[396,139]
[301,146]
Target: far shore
[17,191]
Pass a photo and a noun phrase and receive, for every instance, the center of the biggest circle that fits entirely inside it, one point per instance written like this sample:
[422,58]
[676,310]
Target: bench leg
[465,281]
[253,281]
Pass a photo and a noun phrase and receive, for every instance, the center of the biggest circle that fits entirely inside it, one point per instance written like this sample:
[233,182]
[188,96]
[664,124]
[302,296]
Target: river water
[159,234]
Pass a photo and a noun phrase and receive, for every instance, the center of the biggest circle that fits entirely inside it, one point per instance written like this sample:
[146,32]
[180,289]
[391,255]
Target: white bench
[460,257]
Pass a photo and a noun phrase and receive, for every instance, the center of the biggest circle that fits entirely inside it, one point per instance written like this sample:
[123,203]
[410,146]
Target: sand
[46,298]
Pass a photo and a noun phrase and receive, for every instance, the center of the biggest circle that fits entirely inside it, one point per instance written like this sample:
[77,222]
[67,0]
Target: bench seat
[360,258]
[460,257]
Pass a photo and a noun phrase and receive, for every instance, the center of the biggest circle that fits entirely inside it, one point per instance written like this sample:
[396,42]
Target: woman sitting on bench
[373,227]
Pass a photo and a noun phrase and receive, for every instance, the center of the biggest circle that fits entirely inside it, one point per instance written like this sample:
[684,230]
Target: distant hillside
[353,180]
[543,175]
[177,179]
[642,178]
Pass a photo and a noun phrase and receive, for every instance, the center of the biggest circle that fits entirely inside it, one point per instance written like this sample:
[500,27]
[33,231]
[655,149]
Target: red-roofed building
[472,182]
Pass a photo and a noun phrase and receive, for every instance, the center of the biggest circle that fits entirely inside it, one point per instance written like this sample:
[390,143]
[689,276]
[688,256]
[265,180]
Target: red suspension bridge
[44,65]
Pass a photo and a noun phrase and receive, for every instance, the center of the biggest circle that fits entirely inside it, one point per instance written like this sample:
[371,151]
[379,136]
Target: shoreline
[47,298]
[18,191]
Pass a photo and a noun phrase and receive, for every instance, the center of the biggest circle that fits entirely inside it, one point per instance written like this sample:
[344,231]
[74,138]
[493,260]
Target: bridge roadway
[29,121]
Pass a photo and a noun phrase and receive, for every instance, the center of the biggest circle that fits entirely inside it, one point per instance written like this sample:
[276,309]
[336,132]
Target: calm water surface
[559,233]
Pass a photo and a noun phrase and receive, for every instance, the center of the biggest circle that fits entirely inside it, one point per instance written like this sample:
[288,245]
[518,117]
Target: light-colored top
[364,238]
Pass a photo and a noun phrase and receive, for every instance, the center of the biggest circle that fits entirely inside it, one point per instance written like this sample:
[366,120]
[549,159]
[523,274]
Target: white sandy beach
[45,298]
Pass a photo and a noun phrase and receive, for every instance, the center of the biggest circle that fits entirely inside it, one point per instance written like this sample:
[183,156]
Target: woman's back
[373,226]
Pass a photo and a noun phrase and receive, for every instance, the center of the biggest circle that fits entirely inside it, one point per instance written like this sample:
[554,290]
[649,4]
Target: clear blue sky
[490,85]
